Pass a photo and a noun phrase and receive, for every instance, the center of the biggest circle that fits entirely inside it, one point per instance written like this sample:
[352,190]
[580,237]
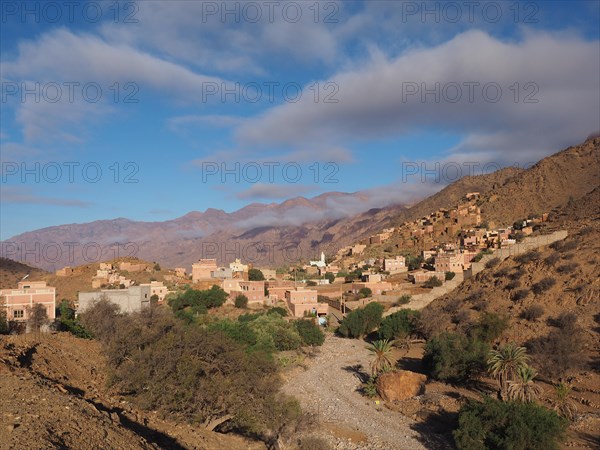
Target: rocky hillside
[11,272]
[54,395]
[551,183]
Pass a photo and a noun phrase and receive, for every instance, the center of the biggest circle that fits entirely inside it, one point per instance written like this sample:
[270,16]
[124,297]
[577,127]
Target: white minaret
[323,257]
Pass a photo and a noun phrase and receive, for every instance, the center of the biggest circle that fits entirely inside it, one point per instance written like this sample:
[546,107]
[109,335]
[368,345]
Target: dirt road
[329,388]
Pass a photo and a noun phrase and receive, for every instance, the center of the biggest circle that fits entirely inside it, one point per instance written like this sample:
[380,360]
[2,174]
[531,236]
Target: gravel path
[329,388]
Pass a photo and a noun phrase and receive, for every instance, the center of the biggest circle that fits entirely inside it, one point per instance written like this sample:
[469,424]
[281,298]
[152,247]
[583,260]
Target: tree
[489,327]
[563,404]
[433,282]
[255,275]
[493,424]
[310,333]
[452,357]
[449,276]
[101,319]
[68,321]
[365,292]
[399,325]
[37,317]
[241,301]
[504,363]
[381,350]
[3,317]
[361,321]
[523,388]
[330,276]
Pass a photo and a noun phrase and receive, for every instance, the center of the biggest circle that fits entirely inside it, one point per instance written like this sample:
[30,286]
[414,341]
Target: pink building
[253,290]
[202,269]
[302,301]
[395,265]
[18,301]
[422,277]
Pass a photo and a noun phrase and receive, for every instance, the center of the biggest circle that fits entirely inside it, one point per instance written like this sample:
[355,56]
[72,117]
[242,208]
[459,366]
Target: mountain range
[300,229]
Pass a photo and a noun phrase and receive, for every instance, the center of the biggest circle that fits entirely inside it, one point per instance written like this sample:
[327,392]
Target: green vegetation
[493,424]
[255,275]
[414,262]
[455,358]
[193,302]
[381,350]
[433,282]
[481,254]
[310,333]
[365,292]
[399,325]
[69,323]
[241,301]
[403,300]
[449,276]
[360,322]
[488,328]
[329,276]
[504,363]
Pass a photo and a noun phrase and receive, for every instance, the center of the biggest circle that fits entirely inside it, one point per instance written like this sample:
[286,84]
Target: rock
[400,385]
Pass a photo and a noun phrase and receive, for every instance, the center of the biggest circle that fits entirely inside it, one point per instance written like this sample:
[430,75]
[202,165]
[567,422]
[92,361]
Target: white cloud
[372,103]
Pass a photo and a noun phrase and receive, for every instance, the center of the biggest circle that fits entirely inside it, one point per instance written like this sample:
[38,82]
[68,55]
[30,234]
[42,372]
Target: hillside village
[450,274]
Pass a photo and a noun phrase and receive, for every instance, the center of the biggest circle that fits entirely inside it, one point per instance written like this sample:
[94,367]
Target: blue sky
[361,92]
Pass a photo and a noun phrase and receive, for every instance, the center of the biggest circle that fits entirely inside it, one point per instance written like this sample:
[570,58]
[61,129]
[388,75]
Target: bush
[449,276]
[552,259]
[274,332]
[452,357]
[520,294]
[533,313]
[399,324]
[362,321]
[310,333]
[493,424]
[198,302]
[489,327]
[403,300]
[527,257]
[197,375]
[492,263]
[100,319]
[278,310]
[241,301]
[255,275]
[502,273]
[543,285]
[566,320]
[365,292]
[513,285]
[560,351]
[433,282]
[567,268]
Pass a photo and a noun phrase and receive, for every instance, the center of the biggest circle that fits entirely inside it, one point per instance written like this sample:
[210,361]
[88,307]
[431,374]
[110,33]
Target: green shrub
[365,292]
[198,302]
[255,275]
[241,301]
[455,358]
[403,300]
[493,424]
[278,310]
[362,321]
[272,331]
[433,282]
[449,276]
[310,333]
[489,327]
[399,324]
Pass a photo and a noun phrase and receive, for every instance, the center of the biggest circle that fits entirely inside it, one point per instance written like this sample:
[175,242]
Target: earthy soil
[54,395]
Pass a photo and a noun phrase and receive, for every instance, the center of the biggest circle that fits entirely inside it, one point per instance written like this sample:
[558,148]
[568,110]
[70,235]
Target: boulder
[400,385]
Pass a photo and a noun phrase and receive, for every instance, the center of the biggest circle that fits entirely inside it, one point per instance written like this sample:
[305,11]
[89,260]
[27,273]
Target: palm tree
[504,363]
[563,405]
[382,362]
[523,388]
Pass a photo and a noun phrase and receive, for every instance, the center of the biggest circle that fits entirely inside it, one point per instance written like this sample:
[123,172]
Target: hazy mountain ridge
[300,228]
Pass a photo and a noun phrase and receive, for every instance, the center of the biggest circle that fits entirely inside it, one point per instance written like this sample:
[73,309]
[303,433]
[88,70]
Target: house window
[18,313]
